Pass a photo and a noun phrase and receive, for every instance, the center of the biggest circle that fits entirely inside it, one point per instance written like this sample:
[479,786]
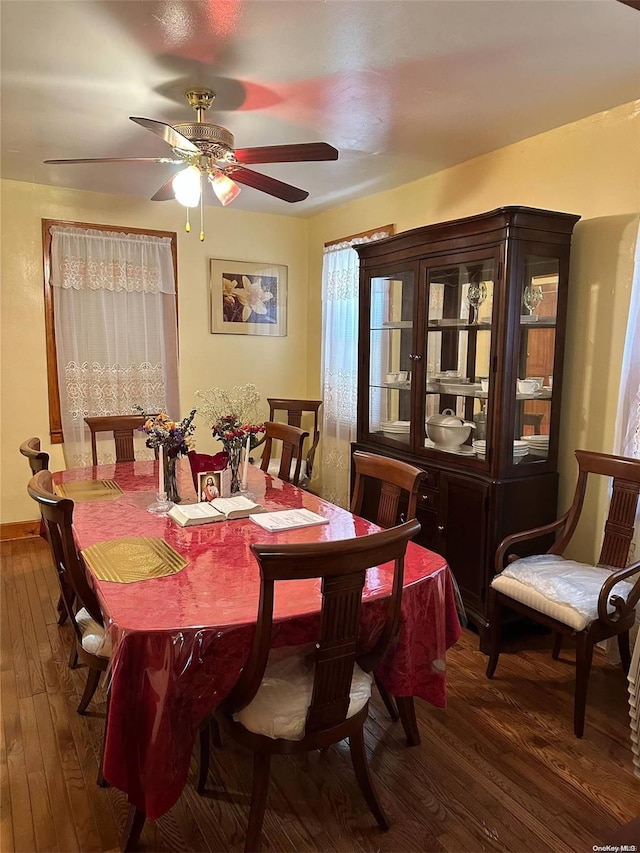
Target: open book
[219,509]
[288,519]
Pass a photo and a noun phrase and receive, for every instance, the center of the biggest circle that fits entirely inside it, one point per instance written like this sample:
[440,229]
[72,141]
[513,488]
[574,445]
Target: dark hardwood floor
[498,770]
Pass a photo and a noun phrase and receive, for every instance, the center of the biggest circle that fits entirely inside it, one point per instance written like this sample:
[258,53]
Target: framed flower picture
[248,298]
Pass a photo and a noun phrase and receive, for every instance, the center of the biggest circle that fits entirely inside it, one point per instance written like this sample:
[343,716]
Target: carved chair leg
[132,829]
[557,645]
[363,776]
[495,632]
[73,655]
[101,781]
[407,711]
[203,764]
[93,677]
[625,651]
[216,737]
[584,655]
[62,611]
[387,698]
[259,787]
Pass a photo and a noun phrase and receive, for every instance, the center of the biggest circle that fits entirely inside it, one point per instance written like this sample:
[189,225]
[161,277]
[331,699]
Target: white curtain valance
[88,259]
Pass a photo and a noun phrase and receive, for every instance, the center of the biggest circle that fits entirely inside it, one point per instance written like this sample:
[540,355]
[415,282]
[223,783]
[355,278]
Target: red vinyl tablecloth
[181,641]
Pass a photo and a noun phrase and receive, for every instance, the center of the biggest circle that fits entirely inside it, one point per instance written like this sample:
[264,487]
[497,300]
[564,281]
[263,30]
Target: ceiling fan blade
[166,191]
[265,184]
[118,160]
[302,152]
[170,135]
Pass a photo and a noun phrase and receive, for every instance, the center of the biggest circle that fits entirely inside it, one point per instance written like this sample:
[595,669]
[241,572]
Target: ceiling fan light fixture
[224,188]
[186,186]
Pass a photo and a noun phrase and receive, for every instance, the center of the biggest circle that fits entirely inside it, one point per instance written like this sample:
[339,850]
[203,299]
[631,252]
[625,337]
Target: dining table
[179,641]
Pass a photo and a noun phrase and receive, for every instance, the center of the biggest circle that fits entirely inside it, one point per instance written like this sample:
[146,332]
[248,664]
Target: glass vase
[234,452]
[170,480]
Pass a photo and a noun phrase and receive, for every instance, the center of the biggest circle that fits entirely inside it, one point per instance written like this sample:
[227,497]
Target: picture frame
[209,485]
[247,298]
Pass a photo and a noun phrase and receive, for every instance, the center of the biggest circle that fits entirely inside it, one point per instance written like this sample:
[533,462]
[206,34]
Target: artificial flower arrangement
[172,439]
[233,416]
[175,438]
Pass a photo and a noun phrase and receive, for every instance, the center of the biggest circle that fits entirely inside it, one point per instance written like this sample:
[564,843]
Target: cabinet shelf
[400,324]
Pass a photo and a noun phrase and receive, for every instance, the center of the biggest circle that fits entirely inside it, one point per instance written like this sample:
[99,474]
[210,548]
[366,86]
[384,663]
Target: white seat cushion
[95,638]
[562,589]
[279,708]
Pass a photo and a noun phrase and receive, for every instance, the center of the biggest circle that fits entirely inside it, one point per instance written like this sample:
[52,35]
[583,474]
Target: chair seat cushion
[95,637]
[562,589]
[279,708]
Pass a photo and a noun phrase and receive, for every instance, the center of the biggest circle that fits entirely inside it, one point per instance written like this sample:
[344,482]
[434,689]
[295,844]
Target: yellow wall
[590,167]
[276,365]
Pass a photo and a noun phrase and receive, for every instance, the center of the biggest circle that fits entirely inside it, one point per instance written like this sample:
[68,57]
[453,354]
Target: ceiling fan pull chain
[187,227]
[201,211]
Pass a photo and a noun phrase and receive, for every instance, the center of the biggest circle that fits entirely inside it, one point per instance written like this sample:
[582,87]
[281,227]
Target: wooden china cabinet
[443,308]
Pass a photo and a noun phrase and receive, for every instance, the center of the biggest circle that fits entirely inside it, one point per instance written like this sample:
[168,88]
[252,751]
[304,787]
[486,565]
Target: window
[111,325]
[340,276]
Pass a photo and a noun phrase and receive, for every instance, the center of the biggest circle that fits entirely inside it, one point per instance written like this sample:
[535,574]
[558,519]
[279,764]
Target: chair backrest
[122,427]
[295,410]
[38,459]
[292,439]
[394,478]
[342,566]
[57,515]
[619,526]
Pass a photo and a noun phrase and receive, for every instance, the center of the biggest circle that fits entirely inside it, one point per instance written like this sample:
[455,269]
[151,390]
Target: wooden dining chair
[39,461]
[92,641]
[380,484]
[292,439]
[575,599]
[322,695]
[122,427]
[296,411]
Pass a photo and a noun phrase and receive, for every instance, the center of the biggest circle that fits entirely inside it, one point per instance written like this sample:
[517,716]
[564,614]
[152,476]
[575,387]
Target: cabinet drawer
[430,480]
[428,498]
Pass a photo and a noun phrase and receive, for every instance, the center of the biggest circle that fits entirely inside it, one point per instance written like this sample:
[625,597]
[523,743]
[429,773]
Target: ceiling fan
[206,151]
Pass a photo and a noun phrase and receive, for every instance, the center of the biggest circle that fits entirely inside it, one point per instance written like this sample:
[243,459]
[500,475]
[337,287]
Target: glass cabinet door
[534,385]
[390,345]
[460,302]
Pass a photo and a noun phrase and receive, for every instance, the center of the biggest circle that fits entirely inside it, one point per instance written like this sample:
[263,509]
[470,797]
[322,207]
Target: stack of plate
[480,447]
[538,445]
[394,429]
[520,450]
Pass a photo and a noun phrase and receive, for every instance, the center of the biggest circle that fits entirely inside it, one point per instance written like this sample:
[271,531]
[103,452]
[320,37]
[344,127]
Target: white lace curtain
[339,365]
[115,327]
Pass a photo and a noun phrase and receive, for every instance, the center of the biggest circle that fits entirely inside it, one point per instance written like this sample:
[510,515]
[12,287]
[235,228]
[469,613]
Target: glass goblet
[476,295]
[532,297]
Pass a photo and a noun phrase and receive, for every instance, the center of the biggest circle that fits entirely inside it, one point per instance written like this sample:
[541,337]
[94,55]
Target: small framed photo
[209,485]
[248,298]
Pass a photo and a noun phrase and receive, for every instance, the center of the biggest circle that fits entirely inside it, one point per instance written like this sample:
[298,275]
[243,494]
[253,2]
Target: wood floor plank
[6,822]
[63,818]
[41,812]
[31,646]
[498,770]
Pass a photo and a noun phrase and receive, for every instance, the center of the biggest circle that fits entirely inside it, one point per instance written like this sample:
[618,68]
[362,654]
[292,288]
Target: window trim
[53,388]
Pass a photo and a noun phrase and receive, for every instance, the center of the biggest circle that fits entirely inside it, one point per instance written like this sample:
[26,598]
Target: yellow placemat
[136,558]
[89,490]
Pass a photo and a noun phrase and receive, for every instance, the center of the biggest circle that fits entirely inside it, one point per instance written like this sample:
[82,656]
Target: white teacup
[402,375]
[484,385]
[528,386]
[392,377]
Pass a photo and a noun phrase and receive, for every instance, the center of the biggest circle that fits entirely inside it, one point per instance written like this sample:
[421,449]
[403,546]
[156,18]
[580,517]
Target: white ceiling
[403,88]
